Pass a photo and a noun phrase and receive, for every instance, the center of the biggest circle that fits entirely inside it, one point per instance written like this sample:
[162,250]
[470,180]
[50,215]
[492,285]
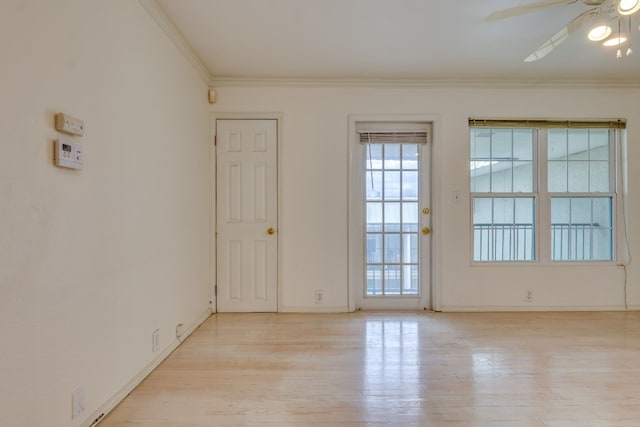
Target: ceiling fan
[602,11]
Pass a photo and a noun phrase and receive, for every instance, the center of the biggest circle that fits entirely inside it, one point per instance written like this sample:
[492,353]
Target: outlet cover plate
[528,296]
[77,402]
[155,340]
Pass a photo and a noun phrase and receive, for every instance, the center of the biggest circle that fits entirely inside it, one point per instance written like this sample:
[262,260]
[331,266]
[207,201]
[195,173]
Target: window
[502,181]
[560,175]
[582,191]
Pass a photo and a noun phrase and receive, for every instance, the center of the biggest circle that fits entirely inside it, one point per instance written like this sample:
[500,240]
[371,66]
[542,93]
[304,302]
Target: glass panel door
[392,250]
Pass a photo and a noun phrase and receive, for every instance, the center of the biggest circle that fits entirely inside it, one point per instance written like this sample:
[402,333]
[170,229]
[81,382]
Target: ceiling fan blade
[562,35]
[526,8]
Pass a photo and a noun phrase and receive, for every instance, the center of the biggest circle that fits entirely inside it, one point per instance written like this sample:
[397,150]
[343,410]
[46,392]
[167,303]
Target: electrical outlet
[319,296]
[77,402]
[155,340]
[528,296]
[179,330]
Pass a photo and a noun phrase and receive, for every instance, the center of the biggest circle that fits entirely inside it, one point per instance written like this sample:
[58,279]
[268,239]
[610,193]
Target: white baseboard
[520,308]
[108,406]
[320,308]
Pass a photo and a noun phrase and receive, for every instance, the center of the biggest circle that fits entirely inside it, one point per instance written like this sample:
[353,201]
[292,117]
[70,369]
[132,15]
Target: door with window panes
[397,219]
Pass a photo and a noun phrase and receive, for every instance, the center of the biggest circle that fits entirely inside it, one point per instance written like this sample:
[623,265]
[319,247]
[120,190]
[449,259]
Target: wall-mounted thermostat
[68,154]
[67,124]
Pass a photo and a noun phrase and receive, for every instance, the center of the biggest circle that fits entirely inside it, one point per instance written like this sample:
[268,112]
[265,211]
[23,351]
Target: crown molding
[221,81]
[169,28]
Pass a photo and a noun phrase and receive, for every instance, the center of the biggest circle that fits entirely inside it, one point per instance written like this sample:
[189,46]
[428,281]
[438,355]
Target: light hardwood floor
[397,369]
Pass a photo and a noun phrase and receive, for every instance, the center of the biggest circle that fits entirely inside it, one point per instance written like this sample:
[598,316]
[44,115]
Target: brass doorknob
[426,211]
[271,230]
[426,230]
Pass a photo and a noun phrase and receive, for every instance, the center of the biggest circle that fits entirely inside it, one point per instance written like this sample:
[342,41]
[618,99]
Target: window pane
[581,229]
[580,211]
[602,211]
[503,211]
[374,156]
[374,248]
[410,185]
[585,161]
[501,160]
[580,243]
[602,244]
[599,176]
[481,144]
[374,280]
[557,143]
[524,208]
[410,156]
[480,176]
[392,279]
[578,173]
[392,248]
[523,177]
[501,177]
[410,217]
[392,156]
[501,144]
[410,248]
[557,176]
[373,185]
[578,144]
[482,210]
[374,217]
[391,217]
[523,144]
[599,144]
[410,279]
[504,229]
[560,211]
[391,185]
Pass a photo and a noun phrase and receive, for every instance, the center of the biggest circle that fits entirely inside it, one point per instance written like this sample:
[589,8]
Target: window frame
[543,250]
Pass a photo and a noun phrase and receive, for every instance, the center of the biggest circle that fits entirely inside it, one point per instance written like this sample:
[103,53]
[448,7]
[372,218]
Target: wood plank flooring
[397,369]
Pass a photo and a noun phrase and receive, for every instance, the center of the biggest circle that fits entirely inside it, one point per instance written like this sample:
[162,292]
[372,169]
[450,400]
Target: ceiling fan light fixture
[614,41]
[599,33]
[628,7]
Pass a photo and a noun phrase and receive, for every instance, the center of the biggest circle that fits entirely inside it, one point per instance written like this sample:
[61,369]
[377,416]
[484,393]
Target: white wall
[314,189]
[92,261]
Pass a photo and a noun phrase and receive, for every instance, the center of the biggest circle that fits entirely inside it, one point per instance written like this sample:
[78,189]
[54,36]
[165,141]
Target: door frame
[213,193]
[356,214]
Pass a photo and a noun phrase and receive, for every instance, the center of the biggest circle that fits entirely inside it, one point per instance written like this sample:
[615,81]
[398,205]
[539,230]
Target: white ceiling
[390,39]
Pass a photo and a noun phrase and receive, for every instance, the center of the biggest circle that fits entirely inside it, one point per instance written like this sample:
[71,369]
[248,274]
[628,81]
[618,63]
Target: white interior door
[246,215]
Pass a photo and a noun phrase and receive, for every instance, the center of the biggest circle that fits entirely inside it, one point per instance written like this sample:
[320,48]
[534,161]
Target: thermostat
[67,124]
[68,154]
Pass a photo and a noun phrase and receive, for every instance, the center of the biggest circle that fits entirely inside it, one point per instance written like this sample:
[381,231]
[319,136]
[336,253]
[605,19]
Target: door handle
[271,230]
[426,230]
